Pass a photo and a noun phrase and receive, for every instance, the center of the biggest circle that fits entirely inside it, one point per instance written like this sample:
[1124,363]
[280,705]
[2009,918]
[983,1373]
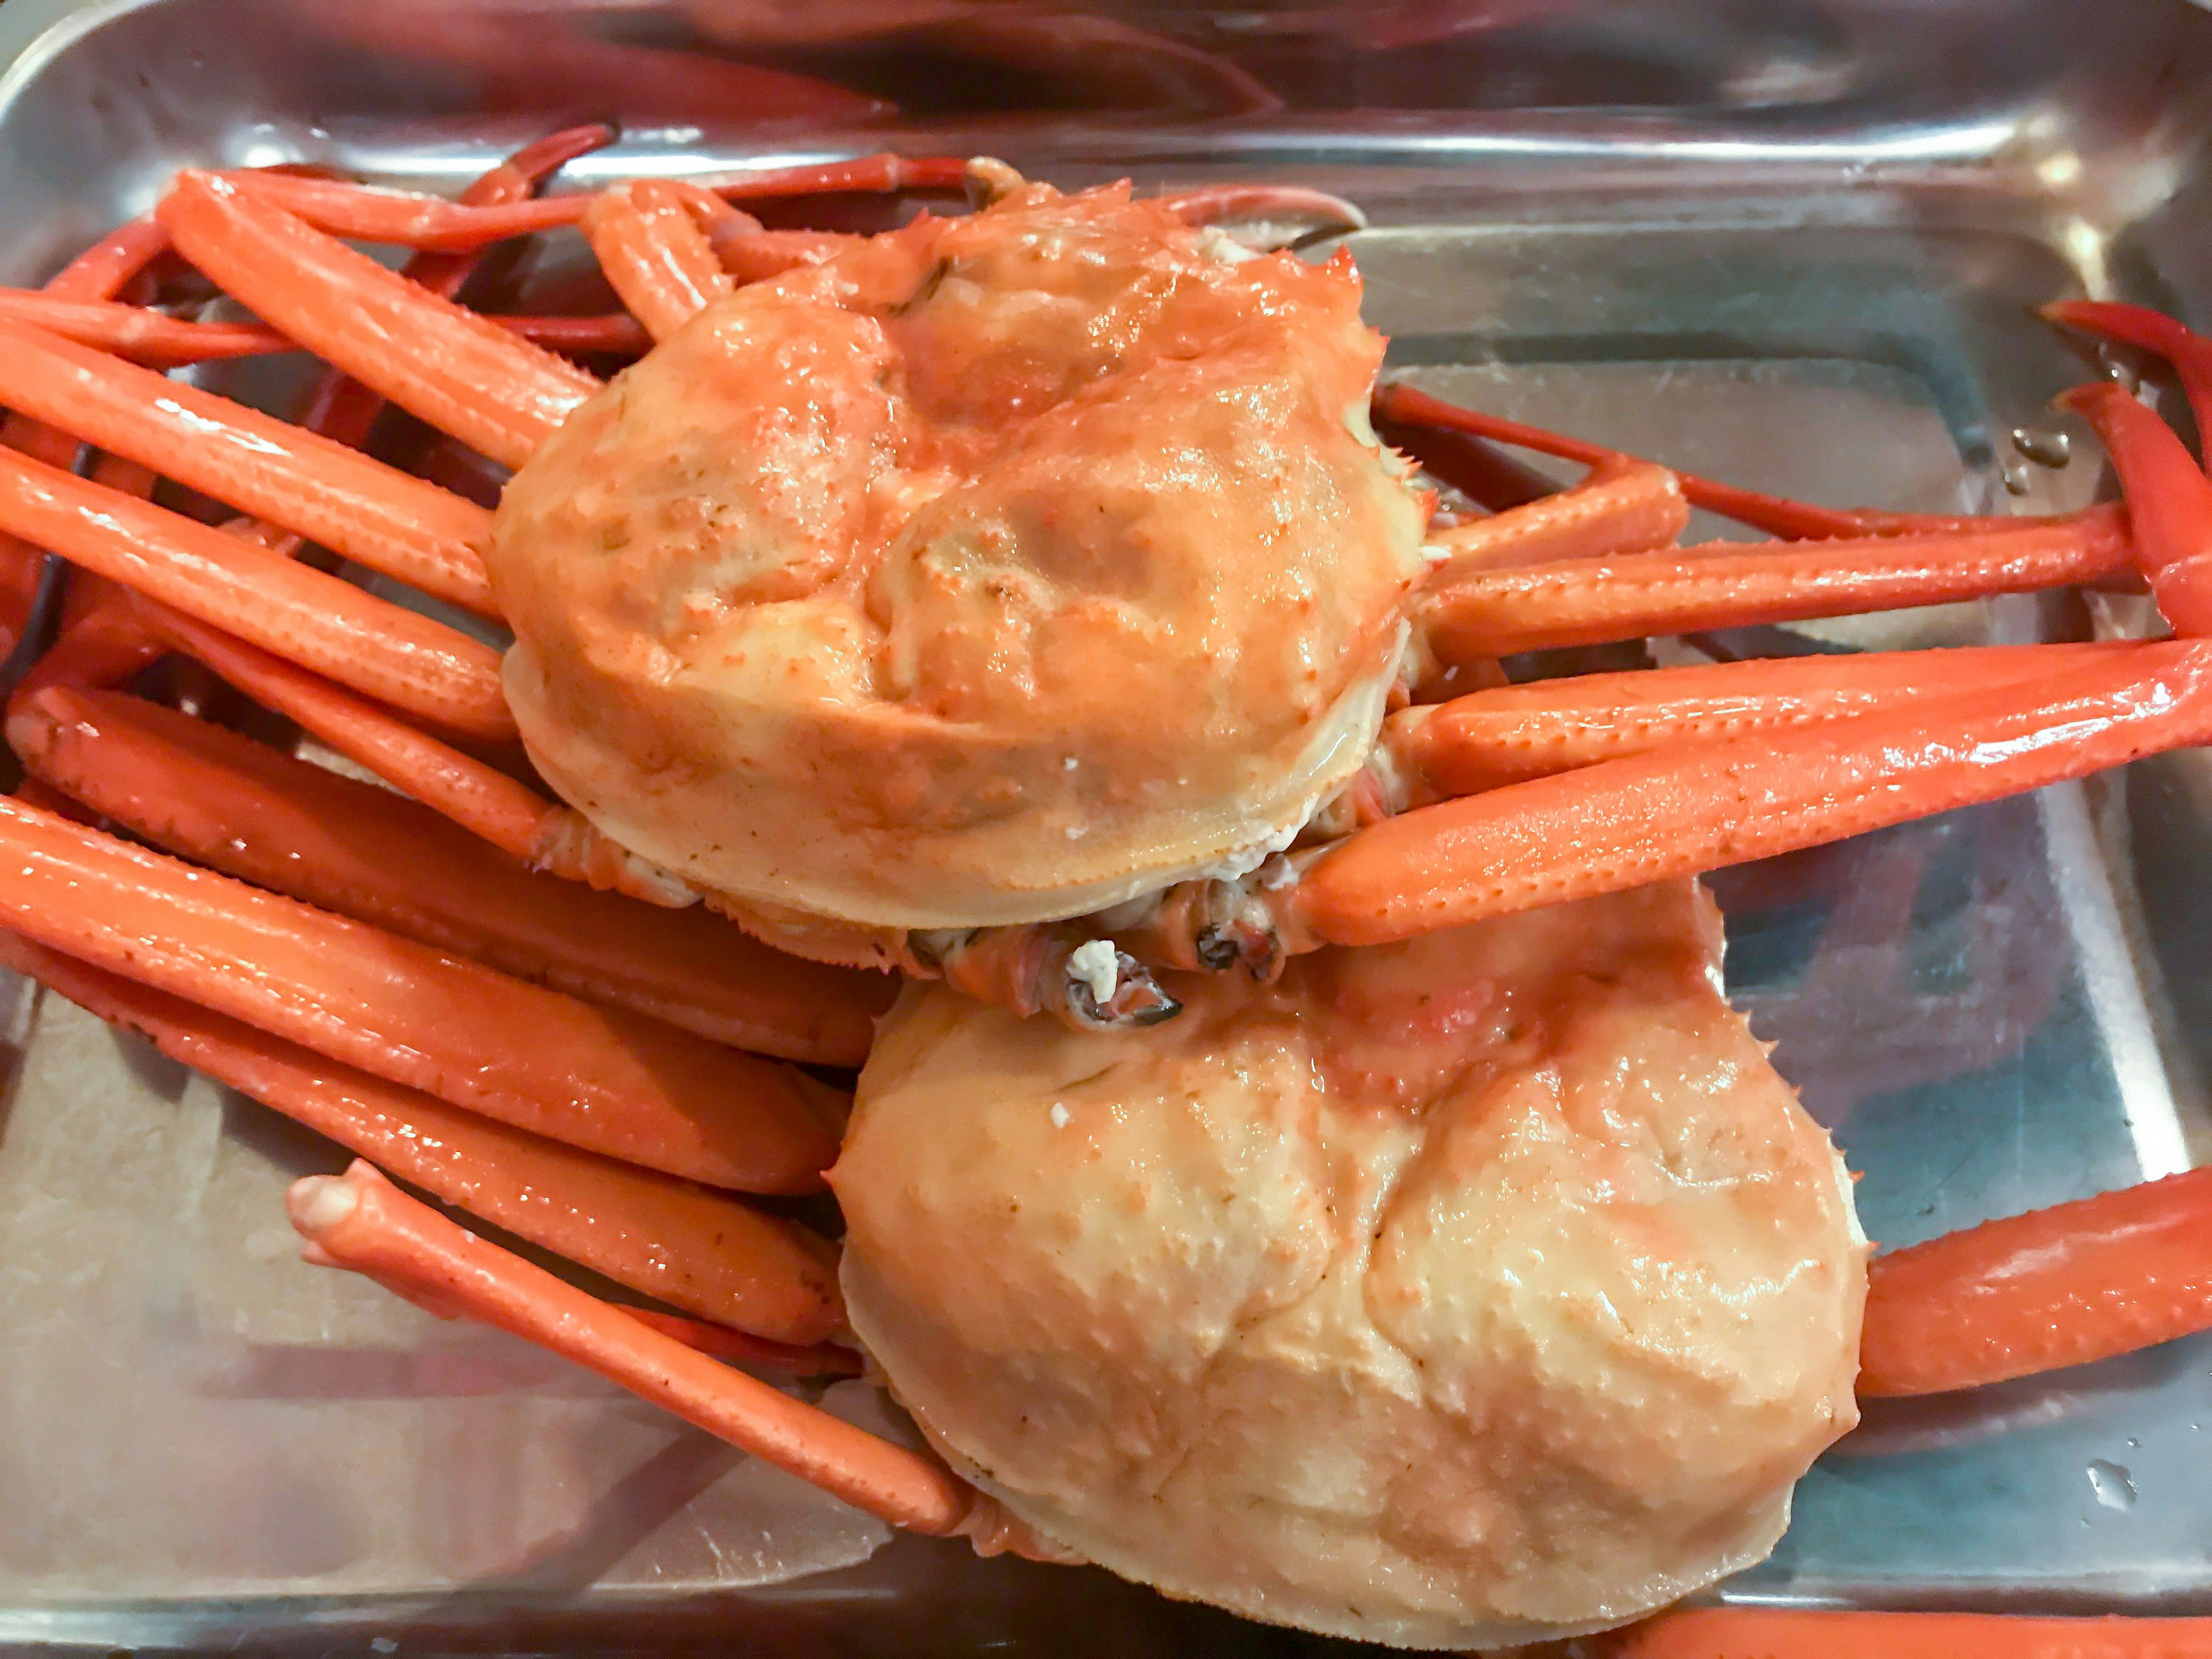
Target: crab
[1006,399]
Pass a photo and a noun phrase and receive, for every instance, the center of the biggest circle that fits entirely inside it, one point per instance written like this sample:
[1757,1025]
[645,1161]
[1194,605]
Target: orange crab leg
[600,1078]
[362,1221]
[143,337]
[656,256]
[1408,409]
[1790,1634]
[2189,352]
[542,833]
[742,1348]
[1702,806]
[375,647]
[220,799]
[1511,732]
[104,640]
[754,256]
[697,1250]
[517,178]
[362,213]
[372,513]
[1492,613]
[2061,1287]
[108,266]
[460,371]
[1625,508]
[2169,501]
[482,799]
[95,275]
[159,341]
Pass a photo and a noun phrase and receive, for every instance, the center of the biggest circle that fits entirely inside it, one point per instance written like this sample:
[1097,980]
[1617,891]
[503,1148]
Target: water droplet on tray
[2016,479]
[2114,1487]
[2042,446]
[2118,368]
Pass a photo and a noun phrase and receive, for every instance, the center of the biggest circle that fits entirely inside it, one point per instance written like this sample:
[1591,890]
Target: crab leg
[1409,410]
[145,336]
[1512,733]
[1729,584]
[375,646]
[1628,507]
[697,1250]
[1701,806]
[2189,352]
[362,213]
[599,1078]
[110,264]
[96,275]
[362,1221]
[108,642]
[654,253]
[517,178]
[541,834]
[754,256]
[2061,1287]
[461,372]
[211,795]
[157,340]
[370,513]
[1791,1633]
[2169,500]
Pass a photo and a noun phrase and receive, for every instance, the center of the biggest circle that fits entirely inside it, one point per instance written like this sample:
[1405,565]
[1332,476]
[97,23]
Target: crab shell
[1000,569]
[1483,1288]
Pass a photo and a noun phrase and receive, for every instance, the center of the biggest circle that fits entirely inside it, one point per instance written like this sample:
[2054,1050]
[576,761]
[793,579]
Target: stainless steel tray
[1792,245]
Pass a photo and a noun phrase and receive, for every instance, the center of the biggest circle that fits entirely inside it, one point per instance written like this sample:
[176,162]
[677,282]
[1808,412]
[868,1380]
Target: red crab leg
[542,833]
[321,488]
[108,266]
[2189,352]
[693,1247]
[741,1348]
[1493,613]
[341,407]
[94,274]
[1406,407]
[1789,1633]
[211,795]
[2169,501]
[754,256]
[655,255]
[107,642]
[1701,806]
[2061,1287]
[517,178]
[597,1078]
[362,1221]
[1626,508]
[376,647]
[160,341]
[461,372]
[1511,732]
[102,640]
[144,336]
[361,213]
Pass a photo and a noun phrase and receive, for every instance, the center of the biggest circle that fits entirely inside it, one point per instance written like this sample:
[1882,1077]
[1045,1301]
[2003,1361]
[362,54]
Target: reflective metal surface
[1793,245]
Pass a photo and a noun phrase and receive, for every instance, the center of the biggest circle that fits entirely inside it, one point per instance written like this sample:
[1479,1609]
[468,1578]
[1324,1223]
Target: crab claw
[2169,500]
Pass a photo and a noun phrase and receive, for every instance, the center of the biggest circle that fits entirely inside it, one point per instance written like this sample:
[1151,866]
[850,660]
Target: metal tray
[1793,245]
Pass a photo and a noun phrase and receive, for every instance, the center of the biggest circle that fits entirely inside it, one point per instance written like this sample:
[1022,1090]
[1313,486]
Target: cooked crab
[1000,597]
